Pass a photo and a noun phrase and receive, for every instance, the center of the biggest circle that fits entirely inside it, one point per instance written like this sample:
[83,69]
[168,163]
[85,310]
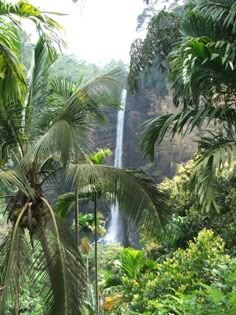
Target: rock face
[140,107]
[104,134]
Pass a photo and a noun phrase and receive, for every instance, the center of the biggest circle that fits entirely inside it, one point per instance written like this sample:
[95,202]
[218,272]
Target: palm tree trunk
[76,215]
[96,255]
[16,288]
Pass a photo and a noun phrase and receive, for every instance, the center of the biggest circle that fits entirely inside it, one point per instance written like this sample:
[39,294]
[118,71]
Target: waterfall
[115,231]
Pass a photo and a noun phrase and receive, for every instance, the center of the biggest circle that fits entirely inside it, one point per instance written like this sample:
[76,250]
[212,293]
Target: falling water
[115,232]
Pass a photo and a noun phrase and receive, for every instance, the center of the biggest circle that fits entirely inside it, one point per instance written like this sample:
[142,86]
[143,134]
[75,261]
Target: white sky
[97,30]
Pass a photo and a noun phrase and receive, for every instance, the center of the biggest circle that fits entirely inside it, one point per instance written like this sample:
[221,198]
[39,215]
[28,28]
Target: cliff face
[140,107]
[104,134]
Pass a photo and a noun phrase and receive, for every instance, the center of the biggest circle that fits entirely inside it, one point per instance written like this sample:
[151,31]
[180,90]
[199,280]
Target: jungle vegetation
[54,183]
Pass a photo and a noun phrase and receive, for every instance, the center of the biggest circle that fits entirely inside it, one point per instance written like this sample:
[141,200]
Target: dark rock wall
[140,107]
[104,134]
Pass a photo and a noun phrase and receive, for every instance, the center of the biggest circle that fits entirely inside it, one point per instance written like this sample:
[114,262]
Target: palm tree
[44,139]
[202,73]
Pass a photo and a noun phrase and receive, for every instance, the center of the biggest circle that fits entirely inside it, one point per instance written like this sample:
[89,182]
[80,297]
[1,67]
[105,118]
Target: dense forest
[57,183]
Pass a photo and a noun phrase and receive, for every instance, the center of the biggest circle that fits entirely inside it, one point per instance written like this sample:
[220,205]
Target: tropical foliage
[187,219]
[201,72]
[54,186]
[196,280]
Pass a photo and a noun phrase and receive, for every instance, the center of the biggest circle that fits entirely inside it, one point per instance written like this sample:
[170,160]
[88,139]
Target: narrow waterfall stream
[115,229]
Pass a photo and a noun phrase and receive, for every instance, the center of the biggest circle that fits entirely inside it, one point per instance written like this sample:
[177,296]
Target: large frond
[102,90]
[10,131]
[14,264]
[12,74]
[13,178]
[67,134]
[196,25]
[60,261]
[132,262]
[183,122]
[61,90]
[65,203]
[70,130]
[201,68]
[217,152]
[222,12]
[13,81]
[23,9]
[138,195]
[38,90]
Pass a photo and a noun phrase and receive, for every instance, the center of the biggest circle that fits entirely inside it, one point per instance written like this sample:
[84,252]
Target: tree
[150,54]
[202,71]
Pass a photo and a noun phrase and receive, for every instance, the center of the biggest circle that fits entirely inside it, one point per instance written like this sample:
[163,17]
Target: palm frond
[62,90]
[70,130]
[222,12]
[14,178]
[10,130]
[132,262]
[59,259]
[104,89]
[98,156]
[194,24]
[12,74]
[111,280]
[138,195]
[13,271]
[45,24]
[216,153]
[65,203]
[68,134]
[38,89]
[13,80]
[183,122]
[201,68]
[14,264]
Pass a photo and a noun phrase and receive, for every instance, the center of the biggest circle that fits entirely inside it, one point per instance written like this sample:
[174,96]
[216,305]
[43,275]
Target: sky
[97,30]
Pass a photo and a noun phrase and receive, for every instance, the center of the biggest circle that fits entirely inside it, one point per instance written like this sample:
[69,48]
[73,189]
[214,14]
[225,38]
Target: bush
[194,281]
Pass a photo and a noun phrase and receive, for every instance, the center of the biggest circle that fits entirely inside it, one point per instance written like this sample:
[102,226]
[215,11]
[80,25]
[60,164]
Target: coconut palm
[202,72]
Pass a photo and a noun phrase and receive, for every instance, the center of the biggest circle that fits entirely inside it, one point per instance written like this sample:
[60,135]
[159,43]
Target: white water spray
[115,231]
